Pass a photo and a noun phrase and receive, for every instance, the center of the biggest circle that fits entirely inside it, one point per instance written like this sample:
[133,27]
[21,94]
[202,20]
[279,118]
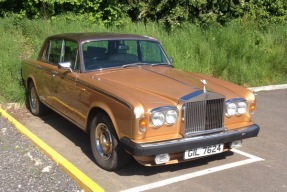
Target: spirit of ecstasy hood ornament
[204,83]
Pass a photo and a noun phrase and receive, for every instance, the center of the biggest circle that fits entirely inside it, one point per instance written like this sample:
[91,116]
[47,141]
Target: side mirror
[64,65]
[171,60]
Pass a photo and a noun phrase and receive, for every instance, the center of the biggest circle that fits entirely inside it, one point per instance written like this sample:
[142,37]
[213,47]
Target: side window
[71,54]
[53,54]
[63,51]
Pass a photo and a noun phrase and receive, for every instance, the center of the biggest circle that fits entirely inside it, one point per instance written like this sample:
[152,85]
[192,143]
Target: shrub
[104,11]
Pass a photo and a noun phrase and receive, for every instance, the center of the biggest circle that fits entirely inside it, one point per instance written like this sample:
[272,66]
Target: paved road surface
[24,168]
[263,168]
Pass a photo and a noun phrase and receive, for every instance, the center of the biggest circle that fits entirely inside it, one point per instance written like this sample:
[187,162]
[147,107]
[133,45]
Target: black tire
[36,107]
[105,146]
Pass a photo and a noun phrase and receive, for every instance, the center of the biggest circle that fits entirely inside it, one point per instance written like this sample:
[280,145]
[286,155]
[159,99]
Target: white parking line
[251,159]
[268,88]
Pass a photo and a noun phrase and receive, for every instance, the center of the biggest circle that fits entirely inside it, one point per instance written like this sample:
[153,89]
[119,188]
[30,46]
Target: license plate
[203,151]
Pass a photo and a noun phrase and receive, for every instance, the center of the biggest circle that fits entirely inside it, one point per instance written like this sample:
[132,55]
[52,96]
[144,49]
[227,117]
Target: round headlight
[230,109]
[241,108]
[157,119]
[171,117]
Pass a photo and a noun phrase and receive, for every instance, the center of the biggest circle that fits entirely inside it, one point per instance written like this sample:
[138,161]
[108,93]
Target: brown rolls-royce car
[123,90]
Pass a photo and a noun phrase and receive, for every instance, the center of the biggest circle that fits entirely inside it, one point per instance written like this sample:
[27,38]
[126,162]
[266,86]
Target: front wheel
[106,150]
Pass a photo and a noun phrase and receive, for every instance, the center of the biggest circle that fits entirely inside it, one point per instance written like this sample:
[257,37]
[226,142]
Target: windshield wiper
[138,64]
[133,64]
[155,64]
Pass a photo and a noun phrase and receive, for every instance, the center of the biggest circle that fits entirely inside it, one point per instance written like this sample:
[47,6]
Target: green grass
[12,44]
[238,52]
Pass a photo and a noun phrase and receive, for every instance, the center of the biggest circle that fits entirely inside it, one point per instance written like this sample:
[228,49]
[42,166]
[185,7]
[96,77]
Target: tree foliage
[170,12]
[175,12]
[101,11]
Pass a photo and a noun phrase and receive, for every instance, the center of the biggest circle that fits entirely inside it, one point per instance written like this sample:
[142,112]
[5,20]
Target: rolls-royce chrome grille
[203,116]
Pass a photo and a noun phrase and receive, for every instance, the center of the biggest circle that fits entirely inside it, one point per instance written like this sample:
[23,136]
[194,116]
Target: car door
[46,70]
[64,80]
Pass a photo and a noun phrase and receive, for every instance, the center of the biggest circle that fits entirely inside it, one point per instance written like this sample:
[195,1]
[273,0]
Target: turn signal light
[142,124]
[252,107]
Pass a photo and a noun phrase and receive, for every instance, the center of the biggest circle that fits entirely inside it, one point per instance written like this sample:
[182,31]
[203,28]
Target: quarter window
[54,51]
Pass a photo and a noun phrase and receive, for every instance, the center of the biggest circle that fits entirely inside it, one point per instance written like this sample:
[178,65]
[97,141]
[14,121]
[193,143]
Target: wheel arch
[107,152]
[93,112]
[29,81]
[121,119]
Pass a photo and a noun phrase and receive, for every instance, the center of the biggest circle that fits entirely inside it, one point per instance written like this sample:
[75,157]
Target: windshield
[122,53]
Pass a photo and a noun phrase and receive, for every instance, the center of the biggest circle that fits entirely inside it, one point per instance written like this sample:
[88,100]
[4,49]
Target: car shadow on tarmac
[137,169]
[82,140]
[70,131]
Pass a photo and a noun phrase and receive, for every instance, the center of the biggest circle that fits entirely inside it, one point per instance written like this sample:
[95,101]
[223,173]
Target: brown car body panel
[119,92]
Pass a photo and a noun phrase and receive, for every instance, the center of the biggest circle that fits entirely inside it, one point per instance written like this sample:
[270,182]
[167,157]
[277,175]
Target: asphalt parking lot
[24,168]
[259,165]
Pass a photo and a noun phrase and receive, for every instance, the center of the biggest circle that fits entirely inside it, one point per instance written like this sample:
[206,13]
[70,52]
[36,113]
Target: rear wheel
[36,106]
[106,150]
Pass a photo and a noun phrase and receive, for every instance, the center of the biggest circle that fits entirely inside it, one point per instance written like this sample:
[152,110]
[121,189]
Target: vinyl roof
[100,36]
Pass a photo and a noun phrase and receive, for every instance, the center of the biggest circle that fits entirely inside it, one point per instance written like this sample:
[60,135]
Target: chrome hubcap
[33,98]
[104,142]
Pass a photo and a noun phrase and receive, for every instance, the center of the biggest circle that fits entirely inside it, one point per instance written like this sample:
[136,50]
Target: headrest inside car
[123,47]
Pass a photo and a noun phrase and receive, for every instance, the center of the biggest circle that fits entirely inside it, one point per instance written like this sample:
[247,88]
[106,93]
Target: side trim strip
[105,93]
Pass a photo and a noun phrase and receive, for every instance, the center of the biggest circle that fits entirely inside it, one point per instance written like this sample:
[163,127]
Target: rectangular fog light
[162,158]
[235,144]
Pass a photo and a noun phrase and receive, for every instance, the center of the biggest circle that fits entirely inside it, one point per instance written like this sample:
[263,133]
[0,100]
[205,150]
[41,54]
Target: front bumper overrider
[180,145]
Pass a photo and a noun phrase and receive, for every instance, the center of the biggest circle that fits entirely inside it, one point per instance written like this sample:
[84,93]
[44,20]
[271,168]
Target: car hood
[166,82]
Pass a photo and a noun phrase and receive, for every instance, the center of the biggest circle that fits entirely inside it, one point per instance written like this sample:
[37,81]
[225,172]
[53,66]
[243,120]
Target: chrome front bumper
[180,145]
